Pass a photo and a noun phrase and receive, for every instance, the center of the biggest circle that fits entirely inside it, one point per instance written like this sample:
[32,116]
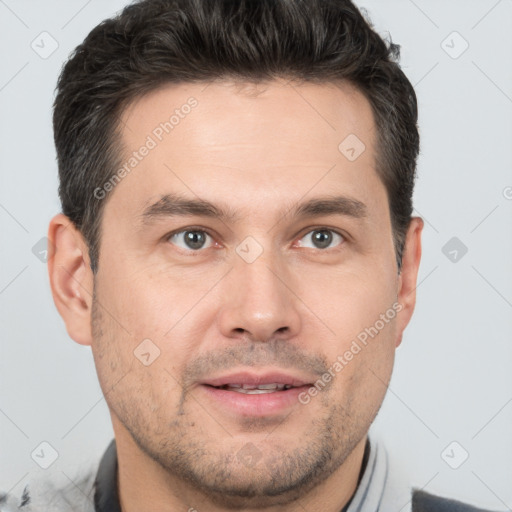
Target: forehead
[258,140]
[296,111]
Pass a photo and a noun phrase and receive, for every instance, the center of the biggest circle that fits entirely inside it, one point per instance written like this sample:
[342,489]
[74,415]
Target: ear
[71,277]
[407,280]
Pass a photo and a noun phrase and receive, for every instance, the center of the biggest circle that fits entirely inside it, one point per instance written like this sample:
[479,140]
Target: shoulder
[45,495]
[424,502]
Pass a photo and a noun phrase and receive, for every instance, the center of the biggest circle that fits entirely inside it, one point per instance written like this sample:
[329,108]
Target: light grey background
[452,379]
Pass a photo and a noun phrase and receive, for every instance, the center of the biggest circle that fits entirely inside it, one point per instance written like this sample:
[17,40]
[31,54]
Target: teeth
[252,389]
[271,386]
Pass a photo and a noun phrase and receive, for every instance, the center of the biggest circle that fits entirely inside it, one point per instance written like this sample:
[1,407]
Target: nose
[259,301]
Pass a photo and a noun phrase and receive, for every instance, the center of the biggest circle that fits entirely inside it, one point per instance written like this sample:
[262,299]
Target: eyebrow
[175,205]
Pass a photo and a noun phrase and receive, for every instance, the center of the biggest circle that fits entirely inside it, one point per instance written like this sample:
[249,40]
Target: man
[237,248]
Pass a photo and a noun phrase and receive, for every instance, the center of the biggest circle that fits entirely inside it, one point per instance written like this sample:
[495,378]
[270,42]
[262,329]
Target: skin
[258,150]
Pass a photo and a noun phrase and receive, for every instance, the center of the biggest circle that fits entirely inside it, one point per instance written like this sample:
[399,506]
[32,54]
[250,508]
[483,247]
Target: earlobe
[407,281]
[71,277]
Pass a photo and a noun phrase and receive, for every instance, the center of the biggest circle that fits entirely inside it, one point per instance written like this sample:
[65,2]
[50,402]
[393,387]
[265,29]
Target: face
[288,276]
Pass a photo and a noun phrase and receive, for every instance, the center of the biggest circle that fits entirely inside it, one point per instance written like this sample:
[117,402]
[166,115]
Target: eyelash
[202,230]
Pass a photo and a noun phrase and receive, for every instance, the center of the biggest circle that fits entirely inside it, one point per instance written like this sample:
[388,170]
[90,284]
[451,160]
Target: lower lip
[257,405]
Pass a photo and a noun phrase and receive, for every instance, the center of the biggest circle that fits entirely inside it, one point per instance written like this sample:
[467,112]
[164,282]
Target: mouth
[250,389]
[251,394]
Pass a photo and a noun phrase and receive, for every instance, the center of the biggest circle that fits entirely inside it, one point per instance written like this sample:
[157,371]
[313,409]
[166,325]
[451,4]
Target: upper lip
[255,379]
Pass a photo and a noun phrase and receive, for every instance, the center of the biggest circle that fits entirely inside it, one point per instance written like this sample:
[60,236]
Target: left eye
[322,238]
[190,239]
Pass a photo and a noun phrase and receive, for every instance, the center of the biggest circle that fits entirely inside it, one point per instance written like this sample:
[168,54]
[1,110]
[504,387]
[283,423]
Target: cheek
[360,311]
[165,314]
[349,302]
[129,365]
[361,368]
[158,302]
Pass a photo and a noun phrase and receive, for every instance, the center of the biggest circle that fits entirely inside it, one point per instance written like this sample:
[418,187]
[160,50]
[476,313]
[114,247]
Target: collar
[106,497]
